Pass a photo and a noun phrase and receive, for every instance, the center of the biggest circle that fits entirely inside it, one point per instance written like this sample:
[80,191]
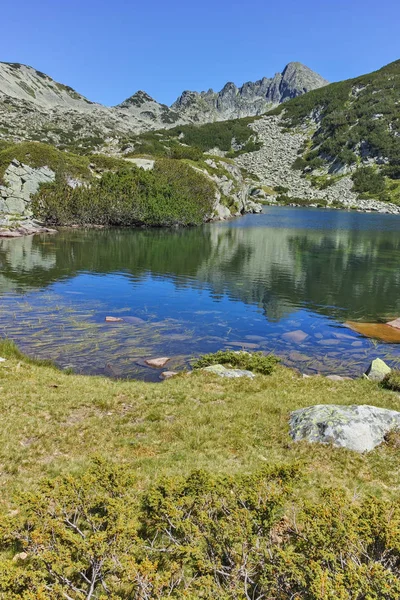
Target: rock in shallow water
[358,428]
[157,363]
[377,370]
[230,373]
[168,374]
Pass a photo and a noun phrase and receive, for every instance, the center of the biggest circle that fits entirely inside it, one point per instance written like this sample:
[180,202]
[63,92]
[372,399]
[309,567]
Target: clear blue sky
[107,49]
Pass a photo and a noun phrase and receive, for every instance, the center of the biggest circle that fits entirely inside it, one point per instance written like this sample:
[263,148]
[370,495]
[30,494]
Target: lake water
[247,283]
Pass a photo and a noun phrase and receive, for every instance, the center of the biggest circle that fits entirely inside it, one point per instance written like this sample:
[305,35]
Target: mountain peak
[252,98]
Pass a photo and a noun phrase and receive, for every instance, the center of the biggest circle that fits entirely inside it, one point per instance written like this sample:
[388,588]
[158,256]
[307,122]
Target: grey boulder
[359,428]
[230,373]
[377,370]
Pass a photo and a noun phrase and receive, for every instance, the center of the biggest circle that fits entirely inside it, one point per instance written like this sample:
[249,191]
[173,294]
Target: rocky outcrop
[233,197]
[273,166]
[252,98]
[21,182]
[359,428]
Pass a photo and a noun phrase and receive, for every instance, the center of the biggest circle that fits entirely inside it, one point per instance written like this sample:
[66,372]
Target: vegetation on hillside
[191,141]
[171,194]
[357,119]
[36,154]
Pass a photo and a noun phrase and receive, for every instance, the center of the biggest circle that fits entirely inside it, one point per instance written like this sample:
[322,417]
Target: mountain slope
[251,98]
[355,119]
[340,143]
[35,107]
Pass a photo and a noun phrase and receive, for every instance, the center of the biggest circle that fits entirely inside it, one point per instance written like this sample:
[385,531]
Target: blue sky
[108,50]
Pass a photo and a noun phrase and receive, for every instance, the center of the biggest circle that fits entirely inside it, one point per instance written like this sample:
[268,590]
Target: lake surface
[247,283]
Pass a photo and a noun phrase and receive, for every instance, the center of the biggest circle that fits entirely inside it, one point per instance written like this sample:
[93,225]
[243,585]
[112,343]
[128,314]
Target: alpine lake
[286,282]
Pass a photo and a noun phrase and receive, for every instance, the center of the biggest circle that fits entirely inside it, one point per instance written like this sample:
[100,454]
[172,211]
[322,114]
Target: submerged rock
[359,428]
[114,319]
[378,331]
[230,373]
[395,323]
[168,374]
[297,336]
[377,370]
[157,363]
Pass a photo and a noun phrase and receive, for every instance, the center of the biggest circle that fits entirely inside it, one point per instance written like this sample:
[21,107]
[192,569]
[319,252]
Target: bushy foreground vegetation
[197,537]
[171,194]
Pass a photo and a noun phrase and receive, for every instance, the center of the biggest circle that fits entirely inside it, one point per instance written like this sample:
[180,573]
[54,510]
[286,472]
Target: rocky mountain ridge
[35,107]
[252,98]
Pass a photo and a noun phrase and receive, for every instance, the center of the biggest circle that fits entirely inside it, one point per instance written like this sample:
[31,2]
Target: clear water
[239,284]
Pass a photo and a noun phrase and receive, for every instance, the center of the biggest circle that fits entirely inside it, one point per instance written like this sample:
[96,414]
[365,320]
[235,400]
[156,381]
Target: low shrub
[172,193]
[96,536]
[367,179]
[251,361]
[299,164]
[392,381]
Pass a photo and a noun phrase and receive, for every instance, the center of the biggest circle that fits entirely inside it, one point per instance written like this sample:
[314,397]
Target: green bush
[392,381]
[201,537]
[172,193]
[254,361]
[288,200]
[281,189]
[299,164]
[367,179]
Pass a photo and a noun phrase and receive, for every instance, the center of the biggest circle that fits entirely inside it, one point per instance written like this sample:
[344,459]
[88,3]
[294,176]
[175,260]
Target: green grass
[53,423]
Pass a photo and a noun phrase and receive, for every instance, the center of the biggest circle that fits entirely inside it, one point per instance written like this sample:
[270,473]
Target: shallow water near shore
[284,282]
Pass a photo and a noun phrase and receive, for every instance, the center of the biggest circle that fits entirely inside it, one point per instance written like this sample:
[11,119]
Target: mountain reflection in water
[247,281]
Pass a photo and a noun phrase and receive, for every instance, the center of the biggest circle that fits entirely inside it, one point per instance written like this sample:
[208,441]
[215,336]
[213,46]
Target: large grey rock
[229,373]
[146,164]
[377,370]
[21,183]
[359,428]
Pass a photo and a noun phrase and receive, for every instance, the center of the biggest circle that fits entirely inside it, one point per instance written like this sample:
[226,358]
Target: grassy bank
[188,489]
[55,422]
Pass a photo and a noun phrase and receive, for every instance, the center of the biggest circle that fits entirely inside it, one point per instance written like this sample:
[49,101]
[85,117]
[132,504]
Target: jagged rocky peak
[251,98]
[137,99]
[25,83]
[298,79]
